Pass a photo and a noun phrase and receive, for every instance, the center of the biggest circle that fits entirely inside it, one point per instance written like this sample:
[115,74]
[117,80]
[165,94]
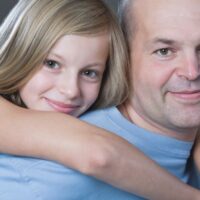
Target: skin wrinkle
[177,72]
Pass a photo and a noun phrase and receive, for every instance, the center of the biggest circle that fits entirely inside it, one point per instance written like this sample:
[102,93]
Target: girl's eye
[52,64]
[91,74]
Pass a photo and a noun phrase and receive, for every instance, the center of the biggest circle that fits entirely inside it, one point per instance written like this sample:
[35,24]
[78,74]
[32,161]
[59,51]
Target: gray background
[112,3]
[6,5]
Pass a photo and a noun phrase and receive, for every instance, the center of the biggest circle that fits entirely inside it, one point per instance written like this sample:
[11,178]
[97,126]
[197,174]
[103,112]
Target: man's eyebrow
[164,41]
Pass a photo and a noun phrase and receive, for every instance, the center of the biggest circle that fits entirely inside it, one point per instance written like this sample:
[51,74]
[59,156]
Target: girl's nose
[69,86]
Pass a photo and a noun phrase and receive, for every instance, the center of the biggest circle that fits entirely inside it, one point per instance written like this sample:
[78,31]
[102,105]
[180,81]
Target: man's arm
[196,154]
[88,149]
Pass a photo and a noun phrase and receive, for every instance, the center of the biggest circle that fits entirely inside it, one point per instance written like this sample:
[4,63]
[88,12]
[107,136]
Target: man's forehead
[160,15]
[169,7]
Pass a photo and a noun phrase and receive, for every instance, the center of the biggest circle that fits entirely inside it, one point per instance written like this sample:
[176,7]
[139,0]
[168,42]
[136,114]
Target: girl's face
[70,77]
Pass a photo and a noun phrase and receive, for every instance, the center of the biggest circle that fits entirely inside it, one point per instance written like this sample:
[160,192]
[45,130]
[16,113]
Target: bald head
[164,57]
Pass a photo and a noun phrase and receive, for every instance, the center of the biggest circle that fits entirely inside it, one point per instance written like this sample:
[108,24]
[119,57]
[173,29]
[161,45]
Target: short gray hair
[125,14]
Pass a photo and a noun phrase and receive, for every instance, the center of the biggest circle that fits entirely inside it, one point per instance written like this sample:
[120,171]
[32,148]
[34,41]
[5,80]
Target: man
[162,114]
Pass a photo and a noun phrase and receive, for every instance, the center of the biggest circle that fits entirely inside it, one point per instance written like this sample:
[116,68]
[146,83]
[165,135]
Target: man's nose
[69,86]
[190,68]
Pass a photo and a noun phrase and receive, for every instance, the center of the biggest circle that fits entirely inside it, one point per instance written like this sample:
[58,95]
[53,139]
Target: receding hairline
[127,17]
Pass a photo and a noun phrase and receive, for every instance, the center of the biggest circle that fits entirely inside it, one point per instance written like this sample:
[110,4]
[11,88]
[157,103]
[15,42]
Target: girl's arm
[76,144]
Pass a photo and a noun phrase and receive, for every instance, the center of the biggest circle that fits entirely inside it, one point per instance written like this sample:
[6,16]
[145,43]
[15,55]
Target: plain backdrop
[6,5]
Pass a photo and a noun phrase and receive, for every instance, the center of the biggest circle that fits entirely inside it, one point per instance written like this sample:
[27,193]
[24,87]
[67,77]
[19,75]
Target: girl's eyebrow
[56,56]
[92,64]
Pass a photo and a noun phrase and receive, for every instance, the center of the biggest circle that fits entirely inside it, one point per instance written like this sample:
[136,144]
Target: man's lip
[187,94]
[61,107]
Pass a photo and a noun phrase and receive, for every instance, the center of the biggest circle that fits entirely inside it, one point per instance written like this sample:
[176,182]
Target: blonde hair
[33,27]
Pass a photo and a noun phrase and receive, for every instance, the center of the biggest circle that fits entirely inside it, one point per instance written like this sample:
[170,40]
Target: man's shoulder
[99,113]
[101,117]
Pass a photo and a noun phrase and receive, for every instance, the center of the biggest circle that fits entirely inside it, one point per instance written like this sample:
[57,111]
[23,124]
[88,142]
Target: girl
[54,56]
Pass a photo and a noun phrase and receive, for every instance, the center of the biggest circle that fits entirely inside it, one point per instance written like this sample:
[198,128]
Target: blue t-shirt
[35,179]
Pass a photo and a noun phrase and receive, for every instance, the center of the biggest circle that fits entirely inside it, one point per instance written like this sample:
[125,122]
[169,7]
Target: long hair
[33,27]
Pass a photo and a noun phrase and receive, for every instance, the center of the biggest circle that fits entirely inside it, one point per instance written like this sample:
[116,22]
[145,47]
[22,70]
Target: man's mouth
[187,95]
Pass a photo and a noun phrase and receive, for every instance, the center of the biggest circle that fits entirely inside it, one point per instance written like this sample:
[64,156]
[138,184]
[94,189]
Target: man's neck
[128,111]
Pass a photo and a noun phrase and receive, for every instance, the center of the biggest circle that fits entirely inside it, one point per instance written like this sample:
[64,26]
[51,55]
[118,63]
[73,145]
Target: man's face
[165,59]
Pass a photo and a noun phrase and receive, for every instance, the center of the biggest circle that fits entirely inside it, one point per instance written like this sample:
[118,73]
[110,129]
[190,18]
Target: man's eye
[52,64]
[164,52]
